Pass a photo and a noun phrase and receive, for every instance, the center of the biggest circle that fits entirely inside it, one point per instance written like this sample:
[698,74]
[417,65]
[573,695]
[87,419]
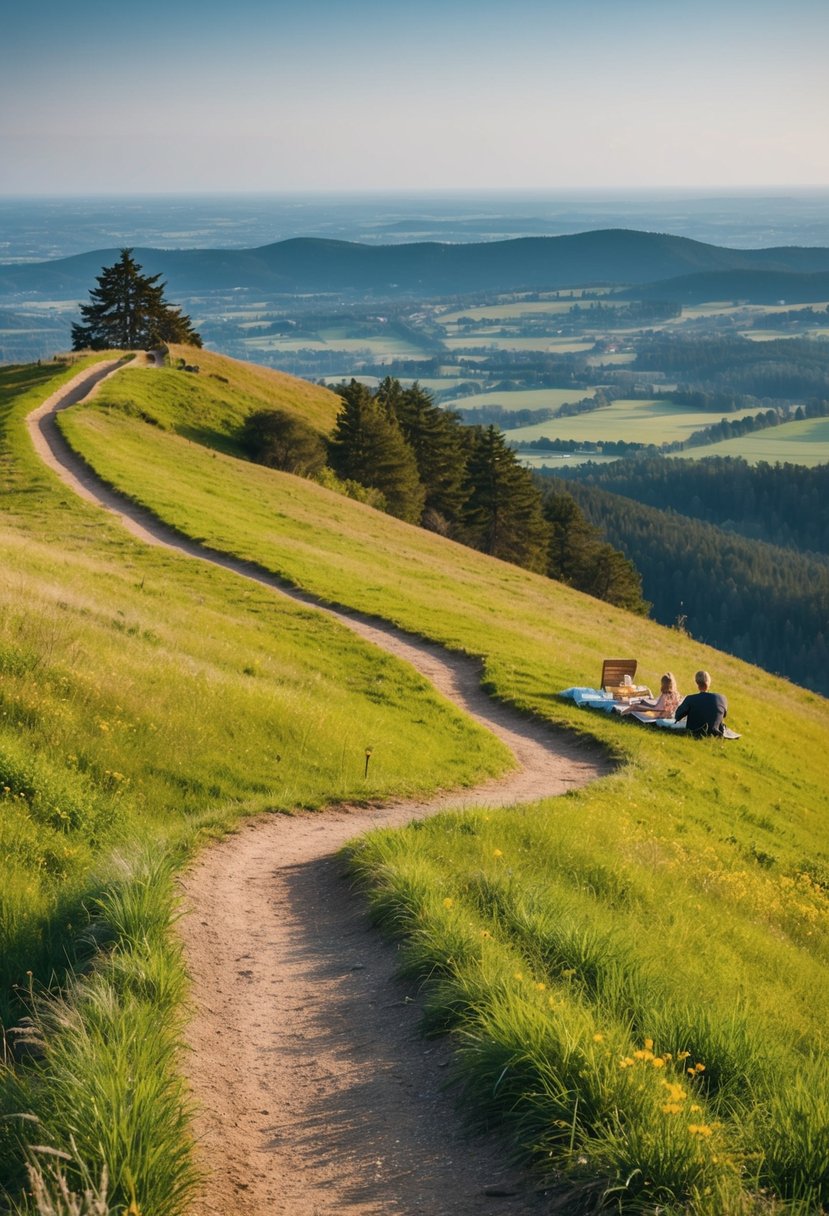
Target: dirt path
[316,1094]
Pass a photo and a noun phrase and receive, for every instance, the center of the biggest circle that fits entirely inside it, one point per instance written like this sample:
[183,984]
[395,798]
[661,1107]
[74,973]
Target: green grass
[677,906]
[652,421]
[522,399]
[147,703]
[377,345]
[804,442]
[682,901]
[510,310]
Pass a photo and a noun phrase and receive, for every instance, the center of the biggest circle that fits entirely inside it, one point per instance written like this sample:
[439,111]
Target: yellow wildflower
[699,1129]
[675,1091]
[497,853]
[695,1108]
[448,902]
[658,1062]
[598,1038]
[672,1108]
[649,1044]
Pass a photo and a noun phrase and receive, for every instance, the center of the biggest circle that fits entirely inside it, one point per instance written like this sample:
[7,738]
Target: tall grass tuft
[50,1193]
[106,1088]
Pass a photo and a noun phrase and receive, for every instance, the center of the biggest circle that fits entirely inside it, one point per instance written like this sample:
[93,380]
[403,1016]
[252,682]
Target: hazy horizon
[446,96]
[40,228]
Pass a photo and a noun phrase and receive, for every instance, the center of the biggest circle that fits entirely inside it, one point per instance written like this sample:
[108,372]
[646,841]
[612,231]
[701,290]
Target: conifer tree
[503,514]
[127,311]
[368,446]
[435,437]
[579,557]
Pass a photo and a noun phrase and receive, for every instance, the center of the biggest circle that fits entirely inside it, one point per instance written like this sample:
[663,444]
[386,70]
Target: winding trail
[315,1093]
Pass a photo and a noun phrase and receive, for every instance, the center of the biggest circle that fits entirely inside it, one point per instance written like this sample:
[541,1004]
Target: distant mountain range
[657,264]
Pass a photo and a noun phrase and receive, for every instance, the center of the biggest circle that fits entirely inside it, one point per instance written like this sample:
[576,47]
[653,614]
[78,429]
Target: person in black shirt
[704,710]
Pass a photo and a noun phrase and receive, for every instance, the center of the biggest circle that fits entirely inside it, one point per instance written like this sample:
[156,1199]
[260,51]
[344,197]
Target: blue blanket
[596,698]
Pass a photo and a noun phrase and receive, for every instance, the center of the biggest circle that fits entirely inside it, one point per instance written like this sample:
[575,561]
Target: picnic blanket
[597,698]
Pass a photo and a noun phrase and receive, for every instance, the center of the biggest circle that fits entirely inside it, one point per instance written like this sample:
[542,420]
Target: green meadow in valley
[635,975]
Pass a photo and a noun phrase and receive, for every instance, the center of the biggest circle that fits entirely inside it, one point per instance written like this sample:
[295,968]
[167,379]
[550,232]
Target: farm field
[804,442]
[431,384]
[562,460]
[521,399]
[772,335]
[380,346]
[636,973]
[512,308]
[654,421]
[498,341]
[612,359]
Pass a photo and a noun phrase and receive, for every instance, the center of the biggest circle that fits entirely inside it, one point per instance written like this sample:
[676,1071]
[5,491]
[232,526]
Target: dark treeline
[792,318]
[406,455]
[733,428]
[501,416]
[786,505]
[603,447]
[765,604]
[730,366]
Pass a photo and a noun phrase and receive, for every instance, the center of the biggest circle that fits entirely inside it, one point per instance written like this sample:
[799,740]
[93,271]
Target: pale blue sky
[433,94]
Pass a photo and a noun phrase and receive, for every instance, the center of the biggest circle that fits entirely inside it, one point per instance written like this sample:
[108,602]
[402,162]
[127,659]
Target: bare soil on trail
[315,1093]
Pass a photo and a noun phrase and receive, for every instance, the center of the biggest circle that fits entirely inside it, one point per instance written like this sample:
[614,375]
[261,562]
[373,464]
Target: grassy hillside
[589,951]
[147,702]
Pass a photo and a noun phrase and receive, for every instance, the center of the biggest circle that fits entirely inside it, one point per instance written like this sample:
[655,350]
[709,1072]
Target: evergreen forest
[784,504]
[764,603]
[396,449]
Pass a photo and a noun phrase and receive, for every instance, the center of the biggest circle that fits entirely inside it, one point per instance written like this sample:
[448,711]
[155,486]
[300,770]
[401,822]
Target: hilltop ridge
[607,256]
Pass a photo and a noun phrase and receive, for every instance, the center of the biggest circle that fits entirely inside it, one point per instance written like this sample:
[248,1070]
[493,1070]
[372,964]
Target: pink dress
[665,704]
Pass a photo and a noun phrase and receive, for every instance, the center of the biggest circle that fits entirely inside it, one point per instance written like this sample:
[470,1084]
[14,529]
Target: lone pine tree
[127,311]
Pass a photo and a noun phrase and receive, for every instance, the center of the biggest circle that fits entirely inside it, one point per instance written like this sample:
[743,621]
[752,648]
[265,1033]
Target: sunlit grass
[146,703]
[680,903]
[804,443]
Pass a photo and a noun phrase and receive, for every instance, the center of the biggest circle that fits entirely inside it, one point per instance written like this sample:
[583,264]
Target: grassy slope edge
[148,702]
[636,973]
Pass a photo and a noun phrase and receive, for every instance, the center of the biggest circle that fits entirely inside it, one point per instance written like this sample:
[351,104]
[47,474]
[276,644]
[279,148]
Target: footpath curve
[314,1092]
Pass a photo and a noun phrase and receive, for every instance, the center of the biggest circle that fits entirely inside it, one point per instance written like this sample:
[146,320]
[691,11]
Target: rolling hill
[634,975]
[753,286]
[427,269]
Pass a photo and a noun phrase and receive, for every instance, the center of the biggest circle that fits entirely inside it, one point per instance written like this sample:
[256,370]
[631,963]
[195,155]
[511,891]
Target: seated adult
[704,710]
[663,706]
